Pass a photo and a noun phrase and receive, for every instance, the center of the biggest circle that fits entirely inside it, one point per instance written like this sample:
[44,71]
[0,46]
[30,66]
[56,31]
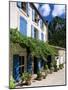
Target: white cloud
[45,10]
[58,10]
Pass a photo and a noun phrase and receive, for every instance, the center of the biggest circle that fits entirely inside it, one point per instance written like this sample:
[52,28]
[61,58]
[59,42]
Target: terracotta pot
[28,82]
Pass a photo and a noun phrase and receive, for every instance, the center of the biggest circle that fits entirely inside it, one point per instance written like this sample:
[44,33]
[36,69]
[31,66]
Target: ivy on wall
[37,48]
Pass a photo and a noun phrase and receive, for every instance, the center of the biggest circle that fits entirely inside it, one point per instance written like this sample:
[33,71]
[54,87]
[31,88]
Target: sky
[49,11]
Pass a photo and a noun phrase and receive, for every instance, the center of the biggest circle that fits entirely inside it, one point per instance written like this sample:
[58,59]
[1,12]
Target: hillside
[57,32]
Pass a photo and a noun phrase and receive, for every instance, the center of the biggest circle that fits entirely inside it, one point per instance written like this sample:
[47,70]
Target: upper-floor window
[22,5]
[34,32]
[41,24]
[42,36]
[36,17]
[33,15]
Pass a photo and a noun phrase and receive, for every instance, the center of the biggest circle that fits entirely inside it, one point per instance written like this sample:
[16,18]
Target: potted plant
[61,66]
[39,75]
[26,78]
[51,68]
[55,66]
[12,84]
[46,70]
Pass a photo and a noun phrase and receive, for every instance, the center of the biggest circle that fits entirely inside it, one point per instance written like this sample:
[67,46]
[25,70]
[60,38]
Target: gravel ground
[56,78]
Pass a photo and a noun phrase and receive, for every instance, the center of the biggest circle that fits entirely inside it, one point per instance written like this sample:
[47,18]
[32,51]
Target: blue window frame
[42,36]
[23,26]
[32,31]
[41,24]
[16,75]
[33,14]
[24,6]
[19,4]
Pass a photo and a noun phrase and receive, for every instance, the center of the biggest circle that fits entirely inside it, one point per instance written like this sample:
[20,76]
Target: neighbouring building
[26,17]
[60,58]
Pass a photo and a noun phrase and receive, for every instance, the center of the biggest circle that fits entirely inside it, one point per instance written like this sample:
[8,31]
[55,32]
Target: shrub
[36,47]
[12,84]
[39,75]
[55,66]
[46,67]
[51,67]
[61,66]
[26,77]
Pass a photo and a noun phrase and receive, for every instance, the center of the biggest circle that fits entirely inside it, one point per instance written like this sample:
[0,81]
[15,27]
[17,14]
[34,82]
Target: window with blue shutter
[23,26]
[33,14]
[42,36]
[28,9]
[41,24]
[16,75]
[32,31]
[19,4]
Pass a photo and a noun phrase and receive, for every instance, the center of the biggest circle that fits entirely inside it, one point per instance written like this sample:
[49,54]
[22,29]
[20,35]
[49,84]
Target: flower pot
[28,82]
[39,78]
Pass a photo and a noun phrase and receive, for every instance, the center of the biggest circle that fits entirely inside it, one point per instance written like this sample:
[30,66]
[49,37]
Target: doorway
[21,64]
[35,65]
[18,66]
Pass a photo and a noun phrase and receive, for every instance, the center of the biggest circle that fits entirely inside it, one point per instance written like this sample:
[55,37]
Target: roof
[60,48]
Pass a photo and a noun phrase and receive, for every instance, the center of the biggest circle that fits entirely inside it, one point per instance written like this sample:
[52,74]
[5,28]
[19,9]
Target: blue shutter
[33,14]
[41,24]
[32,31]
[19,4]
[16,67]
[29,64]
[42,36]
[23,26]
[28,9]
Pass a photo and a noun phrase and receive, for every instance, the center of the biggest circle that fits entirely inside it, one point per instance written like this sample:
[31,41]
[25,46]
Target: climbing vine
[37,48]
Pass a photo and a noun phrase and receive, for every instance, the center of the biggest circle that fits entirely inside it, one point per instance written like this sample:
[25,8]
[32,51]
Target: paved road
[56,78]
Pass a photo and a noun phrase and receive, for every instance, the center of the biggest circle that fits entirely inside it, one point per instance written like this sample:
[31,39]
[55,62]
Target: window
[42,36]
[32,31]
[36,17]
[19,4]
[35,33]
[33,14]
[21,64]
[41,24]
[22,5]
[23,26]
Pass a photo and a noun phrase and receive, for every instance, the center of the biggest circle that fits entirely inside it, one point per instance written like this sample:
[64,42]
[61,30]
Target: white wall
[13,15]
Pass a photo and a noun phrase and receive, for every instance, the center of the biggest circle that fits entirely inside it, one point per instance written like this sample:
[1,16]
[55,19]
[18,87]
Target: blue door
[16,67]
[23,26]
